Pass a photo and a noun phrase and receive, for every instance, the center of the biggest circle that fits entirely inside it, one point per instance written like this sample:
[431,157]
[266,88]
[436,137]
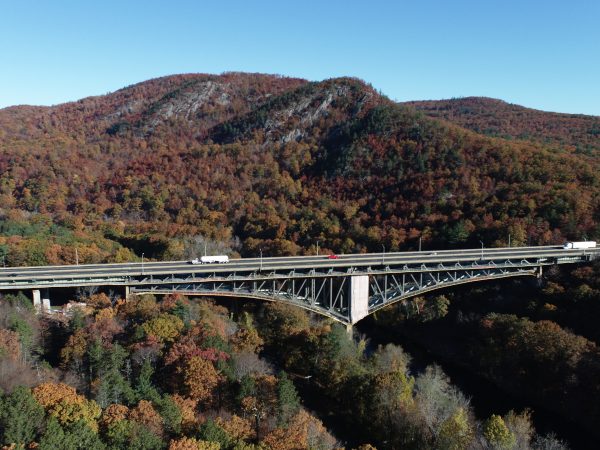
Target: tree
[166,327]
[455,432]
[237,427]
[186,443]
[77,436]
[63,402]
[304,432]
[10,346]
[20,417]
[144,389]
[112,414]
[211,432]
[436,399]
[497,434]
[288,402]
[171,415]
[200,378]
[145,414]
[187,409]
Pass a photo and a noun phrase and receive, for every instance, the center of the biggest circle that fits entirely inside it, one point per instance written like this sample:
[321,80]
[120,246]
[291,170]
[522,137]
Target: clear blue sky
[541,54]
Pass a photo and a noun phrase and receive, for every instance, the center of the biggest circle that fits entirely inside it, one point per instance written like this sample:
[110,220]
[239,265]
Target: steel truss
[328,292]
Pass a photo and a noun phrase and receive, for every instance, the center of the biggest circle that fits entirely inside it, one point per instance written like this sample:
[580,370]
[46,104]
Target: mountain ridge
[277,163]
[576,132]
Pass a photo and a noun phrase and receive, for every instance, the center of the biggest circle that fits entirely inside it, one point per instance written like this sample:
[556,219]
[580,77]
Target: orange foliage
[237,427]
[9,345]
[145,414]
[200,378]
[304,431]
[187,407]
[114,413]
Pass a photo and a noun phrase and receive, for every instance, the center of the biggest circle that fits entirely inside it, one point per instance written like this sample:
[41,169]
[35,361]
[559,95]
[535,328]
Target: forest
[187,374]
[242,162]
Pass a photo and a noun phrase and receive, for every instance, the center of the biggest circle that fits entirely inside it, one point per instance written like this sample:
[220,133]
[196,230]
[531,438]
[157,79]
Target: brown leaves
[113,413]
[304,431]
[145,414]
[200,378]
[10,346]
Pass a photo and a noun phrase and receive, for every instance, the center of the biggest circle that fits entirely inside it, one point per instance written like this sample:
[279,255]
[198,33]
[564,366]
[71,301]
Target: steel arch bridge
[346,288]
[346,296]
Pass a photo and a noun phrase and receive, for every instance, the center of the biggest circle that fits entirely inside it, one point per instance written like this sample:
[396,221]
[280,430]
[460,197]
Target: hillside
[575,132]
[276,163]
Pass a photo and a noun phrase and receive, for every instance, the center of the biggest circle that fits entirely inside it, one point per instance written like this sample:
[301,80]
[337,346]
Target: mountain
[274,163]
[575,132]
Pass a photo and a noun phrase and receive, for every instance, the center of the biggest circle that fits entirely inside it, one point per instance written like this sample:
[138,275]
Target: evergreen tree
[288,402]
[144,389]
[171,415]
[20,417]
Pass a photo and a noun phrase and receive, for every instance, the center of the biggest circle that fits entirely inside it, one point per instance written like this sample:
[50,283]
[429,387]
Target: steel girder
[328,293]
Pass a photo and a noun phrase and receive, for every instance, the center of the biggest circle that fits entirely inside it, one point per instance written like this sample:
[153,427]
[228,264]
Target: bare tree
[247,363]
[199,245]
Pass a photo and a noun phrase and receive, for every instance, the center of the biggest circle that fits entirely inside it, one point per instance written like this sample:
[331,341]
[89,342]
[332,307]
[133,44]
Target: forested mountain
[573,132]
[276,162]
[247,161]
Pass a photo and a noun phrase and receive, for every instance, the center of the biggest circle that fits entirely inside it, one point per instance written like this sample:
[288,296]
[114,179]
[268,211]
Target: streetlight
[481,249]
[142,264]
[76,257]
[420,243]
[317,248]
[383,256]
[260,259]
[508,240]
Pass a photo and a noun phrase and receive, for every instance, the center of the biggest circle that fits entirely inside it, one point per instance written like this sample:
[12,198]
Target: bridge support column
[359,297]
[41,304]
[37,299]
[127,289]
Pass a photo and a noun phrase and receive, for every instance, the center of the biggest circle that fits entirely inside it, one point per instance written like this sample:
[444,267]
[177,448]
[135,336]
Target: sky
[539,54]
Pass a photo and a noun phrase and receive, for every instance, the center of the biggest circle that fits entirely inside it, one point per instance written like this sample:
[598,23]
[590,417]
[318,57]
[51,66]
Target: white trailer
[580,245]
[220,259]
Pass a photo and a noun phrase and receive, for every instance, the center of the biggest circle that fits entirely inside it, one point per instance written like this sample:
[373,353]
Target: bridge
[346,288]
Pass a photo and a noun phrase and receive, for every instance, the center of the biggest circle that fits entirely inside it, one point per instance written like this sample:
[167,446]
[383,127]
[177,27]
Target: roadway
[11,275]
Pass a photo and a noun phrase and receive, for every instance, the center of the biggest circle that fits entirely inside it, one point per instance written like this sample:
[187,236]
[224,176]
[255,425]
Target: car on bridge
[333,257]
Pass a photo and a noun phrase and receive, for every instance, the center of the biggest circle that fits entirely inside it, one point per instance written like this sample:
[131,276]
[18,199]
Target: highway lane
[271,260]
[279,263]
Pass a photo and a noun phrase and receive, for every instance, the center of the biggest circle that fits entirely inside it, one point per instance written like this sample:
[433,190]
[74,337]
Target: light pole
[76,257]
[481,249]
[508,240]
[383,255]
[317,248]
[260,259]
[420,243]
[142,264]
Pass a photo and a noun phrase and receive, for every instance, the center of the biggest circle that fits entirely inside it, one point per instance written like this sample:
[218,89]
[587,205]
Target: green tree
[20,417]
[144,388]
[497,433]
[456,432]
[210,431]
[288,402]
[171,415]
[77,436]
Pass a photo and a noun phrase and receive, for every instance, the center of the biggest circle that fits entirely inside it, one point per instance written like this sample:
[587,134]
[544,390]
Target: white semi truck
[580,245]
[215,259]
